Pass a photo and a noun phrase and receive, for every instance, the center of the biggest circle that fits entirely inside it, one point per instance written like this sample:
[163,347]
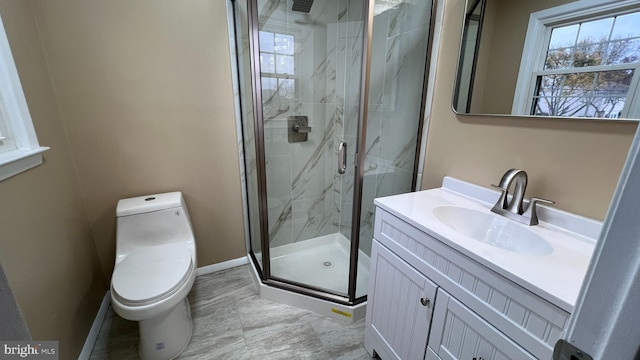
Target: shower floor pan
[322,262]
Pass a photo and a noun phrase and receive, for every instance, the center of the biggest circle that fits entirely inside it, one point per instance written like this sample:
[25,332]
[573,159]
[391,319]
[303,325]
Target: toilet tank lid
[149,203]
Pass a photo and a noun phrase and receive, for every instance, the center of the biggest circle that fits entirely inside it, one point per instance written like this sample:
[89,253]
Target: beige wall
[46,247]
[574,162]
[501,50]
[144,88]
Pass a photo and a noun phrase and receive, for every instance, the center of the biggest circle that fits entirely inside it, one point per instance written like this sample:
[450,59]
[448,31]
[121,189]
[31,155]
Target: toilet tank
[150,220]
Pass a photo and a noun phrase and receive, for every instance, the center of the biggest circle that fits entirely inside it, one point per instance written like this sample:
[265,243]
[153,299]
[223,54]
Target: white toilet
[154,271]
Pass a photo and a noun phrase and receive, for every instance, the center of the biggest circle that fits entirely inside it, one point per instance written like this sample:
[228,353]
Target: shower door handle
[342,157]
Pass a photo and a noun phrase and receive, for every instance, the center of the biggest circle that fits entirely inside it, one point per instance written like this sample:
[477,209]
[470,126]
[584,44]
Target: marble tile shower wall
[304,188]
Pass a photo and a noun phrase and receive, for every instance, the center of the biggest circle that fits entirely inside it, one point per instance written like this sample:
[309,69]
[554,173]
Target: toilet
[155,269]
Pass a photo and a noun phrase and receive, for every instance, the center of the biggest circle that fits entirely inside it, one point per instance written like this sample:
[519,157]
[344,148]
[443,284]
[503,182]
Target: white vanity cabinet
[400,316]
[472,312]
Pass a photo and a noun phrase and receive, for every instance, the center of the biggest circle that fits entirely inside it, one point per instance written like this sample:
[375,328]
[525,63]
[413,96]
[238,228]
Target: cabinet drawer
[529,320]
[458,333]
[399,307]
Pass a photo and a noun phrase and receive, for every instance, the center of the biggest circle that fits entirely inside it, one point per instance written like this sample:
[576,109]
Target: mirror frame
[455,94]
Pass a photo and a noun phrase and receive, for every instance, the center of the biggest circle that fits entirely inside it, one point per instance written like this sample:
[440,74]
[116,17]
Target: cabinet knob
[424,301]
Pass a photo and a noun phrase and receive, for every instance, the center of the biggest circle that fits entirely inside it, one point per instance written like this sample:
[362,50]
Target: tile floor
[232,322]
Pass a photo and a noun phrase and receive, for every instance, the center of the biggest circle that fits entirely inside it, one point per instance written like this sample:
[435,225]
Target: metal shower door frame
[256,87]
[361,143]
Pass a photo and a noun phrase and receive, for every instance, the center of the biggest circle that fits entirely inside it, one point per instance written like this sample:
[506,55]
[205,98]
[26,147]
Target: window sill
[17,161]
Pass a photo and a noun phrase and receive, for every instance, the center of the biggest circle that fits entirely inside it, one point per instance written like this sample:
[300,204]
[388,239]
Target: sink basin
[493,230]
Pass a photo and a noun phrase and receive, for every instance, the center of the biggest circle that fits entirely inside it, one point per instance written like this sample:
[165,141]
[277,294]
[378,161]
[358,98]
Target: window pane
[609,94]
[267,63]
[285,64]
[623,52]
[284,44]
[558,59]
[595,31]
[549,95]
[541,106]
[613,83]
[266,41]
[626,26]
[578,84]
[563,36]
[588,55]
[605,107]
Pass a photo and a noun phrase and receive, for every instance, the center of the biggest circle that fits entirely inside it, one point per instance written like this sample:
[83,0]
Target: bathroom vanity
[451,280]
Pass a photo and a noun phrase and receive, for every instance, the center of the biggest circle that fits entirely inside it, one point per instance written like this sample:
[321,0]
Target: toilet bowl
[154,271]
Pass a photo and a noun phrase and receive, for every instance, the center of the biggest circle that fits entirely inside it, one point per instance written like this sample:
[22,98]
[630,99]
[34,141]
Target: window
[277,65]
[19,148]
[581,61]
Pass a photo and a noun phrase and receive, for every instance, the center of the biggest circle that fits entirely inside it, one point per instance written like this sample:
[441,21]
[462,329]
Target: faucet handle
[541,200]
[531,213]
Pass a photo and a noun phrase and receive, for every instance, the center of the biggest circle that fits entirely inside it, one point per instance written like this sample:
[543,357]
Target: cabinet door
[431,355]
[458,333]
[399,307]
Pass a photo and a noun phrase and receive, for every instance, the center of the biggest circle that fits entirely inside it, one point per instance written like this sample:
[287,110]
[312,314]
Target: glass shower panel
[248,132]
[398,59]
[306,81]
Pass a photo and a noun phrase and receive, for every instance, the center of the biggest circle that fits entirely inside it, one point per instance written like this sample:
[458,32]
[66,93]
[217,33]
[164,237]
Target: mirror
[550,58]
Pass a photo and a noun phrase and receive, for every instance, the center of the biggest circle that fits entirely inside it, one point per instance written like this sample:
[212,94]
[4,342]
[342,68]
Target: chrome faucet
[515,206]
[514,209]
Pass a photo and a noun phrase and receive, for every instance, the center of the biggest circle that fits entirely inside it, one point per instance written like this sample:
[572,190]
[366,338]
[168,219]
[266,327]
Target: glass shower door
[310,68]
[399,45]
[250,155]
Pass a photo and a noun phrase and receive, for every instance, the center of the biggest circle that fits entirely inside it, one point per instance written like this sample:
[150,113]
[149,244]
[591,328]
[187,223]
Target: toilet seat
[151,274]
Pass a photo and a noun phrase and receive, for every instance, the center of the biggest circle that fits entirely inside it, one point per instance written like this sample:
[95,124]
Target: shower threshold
[322,262]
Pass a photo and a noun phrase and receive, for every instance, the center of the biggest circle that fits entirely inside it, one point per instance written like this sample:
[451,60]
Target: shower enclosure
[330,101]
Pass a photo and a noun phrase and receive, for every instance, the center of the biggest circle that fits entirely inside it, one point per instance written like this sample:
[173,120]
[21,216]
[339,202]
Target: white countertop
[556,277]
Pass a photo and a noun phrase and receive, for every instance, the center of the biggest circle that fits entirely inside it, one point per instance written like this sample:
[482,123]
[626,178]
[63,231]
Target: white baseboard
[221,266]
[91,339]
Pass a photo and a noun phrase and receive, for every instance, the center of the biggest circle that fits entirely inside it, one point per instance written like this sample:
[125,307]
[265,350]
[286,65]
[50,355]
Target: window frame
[16,117]
[537,40]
